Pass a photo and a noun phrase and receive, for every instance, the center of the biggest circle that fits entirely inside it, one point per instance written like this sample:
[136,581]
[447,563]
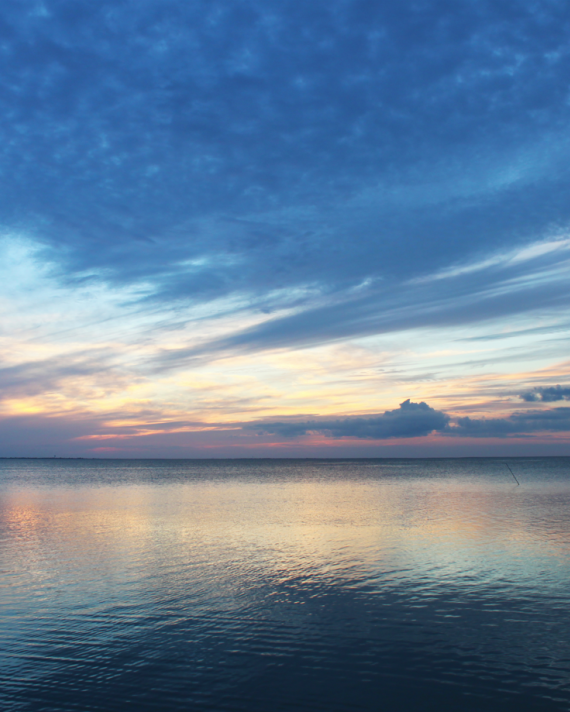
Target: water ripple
[279,585]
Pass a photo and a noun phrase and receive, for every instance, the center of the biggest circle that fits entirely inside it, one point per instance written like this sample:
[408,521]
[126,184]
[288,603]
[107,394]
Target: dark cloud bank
[547,394]
[412,420]
[84,434]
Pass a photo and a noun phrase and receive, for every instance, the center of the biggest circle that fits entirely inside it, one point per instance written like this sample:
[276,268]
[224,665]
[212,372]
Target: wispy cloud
[504,288]
[54,374]
[243,211]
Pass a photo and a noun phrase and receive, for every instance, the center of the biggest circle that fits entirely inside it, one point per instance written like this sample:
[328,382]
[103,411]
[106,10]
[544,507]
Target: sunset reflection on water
[275,572]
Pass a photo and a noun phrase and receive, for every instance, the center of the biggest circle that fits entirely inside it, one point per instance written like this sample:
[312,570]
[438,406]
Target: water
[261,586]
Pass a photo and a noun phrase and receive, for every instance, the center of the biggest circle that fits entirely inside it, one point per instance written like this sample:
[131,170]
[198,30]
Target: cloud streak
[510,285]
[204,203]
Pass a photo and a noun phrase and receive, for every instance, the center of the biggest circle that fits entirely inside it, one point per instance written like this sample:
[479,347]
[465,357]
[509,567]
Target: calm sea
[269,585]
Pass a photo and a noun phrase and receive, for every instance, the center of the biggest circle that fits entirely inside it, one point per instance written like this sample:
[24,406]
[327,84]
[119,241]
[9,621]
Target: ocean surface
[281,585]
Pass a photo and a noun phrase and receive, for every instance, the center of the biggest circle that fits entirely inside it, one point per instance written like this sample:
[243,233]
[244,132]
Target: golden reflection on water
[352,529]
[188,588]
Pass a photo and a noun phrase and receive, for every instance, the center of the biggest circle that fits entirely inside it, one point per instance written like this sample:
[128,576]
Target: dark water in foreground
[260,586]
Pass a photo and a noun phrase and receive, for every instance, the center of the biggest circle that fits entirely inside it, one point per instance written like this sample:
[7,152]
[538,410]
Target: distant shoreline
[290,459]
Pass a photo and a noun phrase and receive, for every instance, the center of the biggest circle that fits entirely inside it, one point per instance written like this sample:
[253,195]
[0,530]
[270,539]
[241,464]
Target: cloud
[505,286]
[554,420]
[412,420]
[408,421]
[37,435]
[56,373]
[221,148]
[88,434]
[226,178]
[548,394]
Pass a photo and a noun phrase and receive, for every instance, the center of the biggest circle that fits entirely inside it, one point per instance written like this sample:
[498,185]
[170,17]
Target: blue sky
[242,228]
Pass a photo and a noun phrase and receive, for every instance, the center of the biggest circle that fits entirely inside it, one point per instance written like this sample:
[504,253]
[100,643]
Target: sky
[257,228]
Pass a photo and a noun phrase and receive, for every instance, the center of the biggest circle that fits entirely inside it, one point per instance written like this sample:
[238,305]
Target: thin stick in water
[512,473]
